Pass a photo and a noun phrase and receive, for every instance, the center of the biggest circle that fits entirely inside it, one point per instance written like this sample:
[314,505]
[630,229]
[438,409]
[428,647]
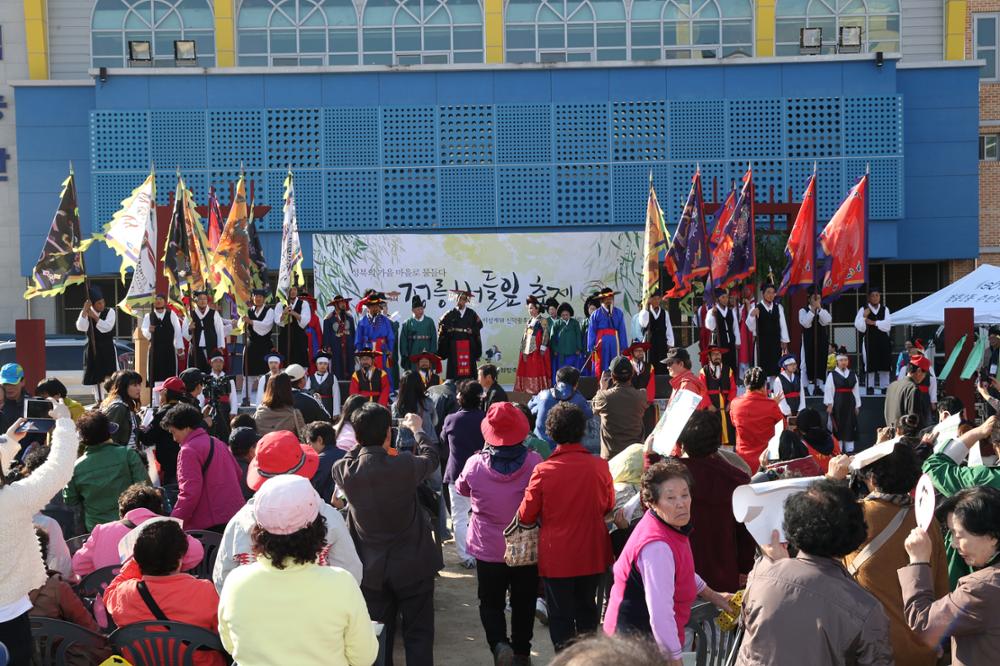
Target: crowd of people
[333,515]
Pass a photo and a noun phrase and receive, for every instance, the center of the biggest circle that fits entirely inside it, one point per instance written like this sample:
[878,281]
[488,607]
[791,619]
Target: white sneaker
[542,611]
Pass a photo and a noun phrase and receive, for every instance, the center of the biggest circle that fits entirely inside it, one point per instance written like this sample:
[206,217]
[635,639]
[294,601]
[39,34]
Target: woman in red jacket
[569,495]
[754,416]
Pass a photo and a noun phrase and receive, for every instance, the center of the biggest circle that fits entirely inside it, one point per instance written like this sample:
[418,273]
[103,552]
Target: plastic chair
[76,543]
[53,639]
[210,541]
[711,644]
[91,590]
[163,643]
[4,655]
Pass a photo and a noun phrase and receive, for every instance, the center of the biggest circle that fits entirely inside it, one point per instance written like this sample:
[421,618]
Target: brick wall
[989,172]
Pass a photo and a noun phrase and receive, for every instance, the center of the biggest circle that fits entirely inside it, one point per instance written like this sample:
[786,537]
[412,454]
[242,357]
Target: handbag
[522,544]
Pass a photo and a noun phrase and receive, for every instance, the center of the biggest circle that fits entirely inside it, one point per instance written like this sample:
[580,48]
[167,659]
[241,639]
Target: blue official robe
[613,337]
[377,332]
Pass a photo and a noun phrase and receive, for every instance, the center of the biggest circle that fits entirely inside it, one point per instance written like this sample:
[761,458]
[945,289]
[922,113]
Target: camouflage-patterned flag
[60,263]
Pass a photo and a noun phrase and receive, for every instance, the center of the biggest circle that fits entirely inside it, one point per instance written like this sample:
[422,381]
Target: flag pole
[91,333]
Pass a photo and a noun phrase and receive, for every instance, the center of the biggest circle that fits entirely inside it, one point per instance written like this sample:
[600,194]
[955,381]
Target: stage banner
[501,269]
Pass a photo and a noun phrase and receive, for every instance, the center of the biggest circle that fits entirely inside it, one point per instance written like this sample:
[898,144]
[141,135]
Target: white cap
[295,371]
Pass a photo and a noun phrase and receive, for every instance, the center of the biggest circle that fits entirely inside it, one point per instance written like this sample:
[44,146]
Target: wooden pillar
[959,322]
[29,350]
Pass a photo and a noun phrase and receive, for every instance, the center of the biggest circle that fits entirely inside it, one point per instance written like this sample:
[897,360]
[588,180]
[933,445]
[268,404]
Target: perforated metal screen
[486,166]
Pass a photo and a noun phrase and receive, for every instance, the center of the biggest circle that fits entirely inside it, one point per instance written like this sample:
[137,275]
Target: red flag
[801,247]
[734,257]
[689,257]
[214,220]
[844,243]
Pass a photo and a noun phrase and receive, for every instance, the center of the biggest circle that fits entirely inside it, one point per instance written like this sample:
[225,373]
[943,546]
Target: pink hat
[286,504]
[505,425]
[281,452]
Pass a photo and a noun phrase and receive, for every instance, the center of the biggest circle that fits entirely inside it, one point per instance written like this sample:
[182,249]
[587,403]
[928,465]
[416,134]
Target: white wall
[922,27]
[69,38]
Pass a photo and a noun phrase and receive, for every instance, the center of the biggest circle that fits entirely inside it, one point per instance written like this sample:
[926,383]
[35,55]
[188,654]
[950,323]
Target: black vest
[878,347]
[656,336]
[255,337]
[370,387]
[791,389]
[205,325]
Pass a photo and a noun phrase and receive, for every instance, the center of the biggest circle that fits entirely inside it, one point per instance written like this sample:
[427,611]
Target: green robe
[566,337]
[416,337]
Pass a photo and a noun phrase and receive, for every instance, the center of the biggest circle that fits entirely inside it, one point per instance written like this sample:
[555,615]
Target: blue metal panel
[755,128]
[943,158]
[36,141]
[413,88]
[639,131]
[581,132]
[885,192]
[697,130]
[681,174]
[638,84]
[409,135]
[294,138]
[293,90]
[245,91]
[873,125]
[524,196]
[236,136]
[196,181]
[882,240]
[224,180]
[410,198]
[752,83]
[119,140]
[109,190]
[580,85]
[631,190]
[350,90]
[177,139]
[352,199]
[830,189]
[821,79]
[767,174]
[870,79]
[524,87]
[582,194]
[351,137]
[123,93]
[524,133]
[468,197]
[466,134]
[309,199]
[178,92]
[695,83]
[463,88]
[37,176]
[813,127]
[73,108]
[952,124]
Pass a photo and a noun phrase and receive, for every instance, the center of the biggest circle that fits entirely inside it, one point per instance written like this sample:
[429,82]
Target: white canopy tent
[980,290]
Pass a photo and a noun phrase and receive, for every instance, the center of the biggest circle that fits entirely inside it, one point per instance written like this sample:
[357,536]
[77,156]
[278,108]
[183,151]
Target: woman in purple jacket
[494,479]
[462,436]
[207,473]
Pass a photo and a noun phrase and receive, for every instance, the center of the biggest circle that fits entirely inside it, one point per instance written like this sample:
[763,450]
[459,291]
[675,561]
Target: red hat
[716,348]
[172,384]
[433,358]
[644,346]
[281,452]
[921,362]
[505,425]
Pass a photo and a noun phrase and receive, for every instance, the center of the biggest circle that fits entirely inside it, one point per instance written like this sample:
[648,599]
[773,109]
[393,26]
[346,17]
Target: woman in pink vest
[655,581]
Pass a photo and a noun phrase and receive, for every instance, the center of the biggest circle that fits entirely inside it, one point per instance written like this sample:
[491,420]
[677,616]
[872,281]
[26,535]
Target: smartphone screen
[37,409]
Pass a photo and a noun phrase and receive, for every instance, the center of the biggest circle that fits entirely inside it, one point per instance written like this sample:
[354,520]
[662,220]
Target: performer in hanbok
[566,341]
[534,366]
[747,342]
[720,383]
[227,399]
[275,363]
[205,332]
[418,334]
[338,337]
[258,323]
[790,384]
[767,323]
[842,398]
[552,307]
[655,328]
[722,322]
[369,380]
[460,339]
[428,366]
[166,343]
[324,385]
[874,323]
[375,332]
[815,321]
[606,334]
[293,320]
[590,306]
[100,360]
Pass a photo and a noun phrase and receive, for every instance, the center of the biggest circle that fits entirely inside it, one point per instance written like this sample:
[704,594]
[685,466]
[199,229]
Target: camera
[214,389]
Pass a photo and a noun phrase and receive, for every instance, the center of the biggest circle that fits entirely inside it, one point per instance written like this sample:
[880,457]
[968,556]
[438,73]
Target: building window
[581,30]
[297,32]
[414,32]
[878,20]
[985,39]
[114,23]
[988,147]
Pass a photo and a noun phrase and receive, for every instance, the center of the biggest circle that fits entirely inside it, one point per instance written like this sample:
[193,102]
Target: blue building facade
[514,148]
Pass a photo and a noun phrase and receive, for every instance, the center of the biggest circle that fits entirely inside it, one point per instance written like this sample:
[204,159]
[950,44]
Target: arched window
[566,30]
[114,23]
[297,32]
[878,20]
[671,29]
[411,32]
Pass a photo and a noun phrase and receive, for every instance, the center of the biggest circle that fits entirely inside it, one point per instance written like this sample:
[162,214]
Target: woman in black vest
[166,342]
[99,358]
[767,322]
